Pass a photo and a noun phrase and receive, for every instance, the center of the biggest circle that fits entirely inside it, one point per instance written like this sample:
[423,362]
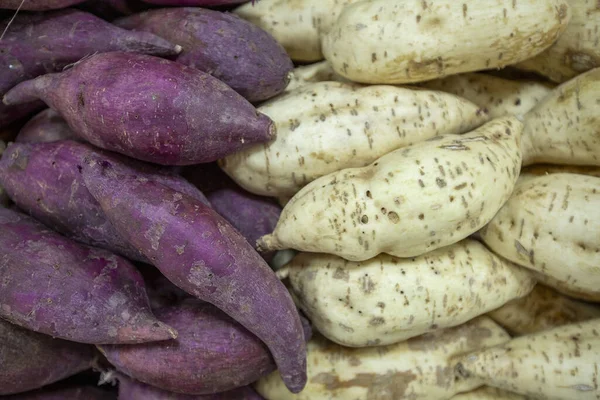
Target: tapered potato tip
[268,243]
[147,329]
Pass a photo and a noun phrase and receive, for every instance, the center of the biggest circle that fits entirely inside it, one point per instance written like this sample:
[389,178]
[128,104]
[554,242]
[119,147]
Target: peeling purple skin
[237,52]
[47,126]
[40,43]
[212,353]
[31,360]
[65,393]
[38,5]
[253,216]
[130,389]
[194,3]
[43,180]
[200,252]
[53,285]
[149,108]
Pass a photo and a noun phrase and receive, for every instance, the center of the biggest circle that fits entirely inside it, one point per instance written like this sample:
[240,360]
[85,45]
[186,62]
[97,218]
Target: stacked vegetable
[443,218]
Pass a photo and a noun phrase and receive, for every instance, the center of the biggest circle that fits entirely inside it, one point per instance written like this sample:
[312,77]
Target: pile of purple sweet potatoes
[112,263]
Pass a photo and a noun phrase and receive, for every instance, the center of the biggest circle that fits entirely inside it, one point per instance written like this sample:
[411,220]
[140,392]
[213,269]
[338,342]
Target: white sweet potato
[496,95]
[390,41]
[386,299]
[543,308]
[328,126]
[315,72]
[561,363]
[297,24]
[563,128]
[408,202]
[488,393]
[576,50]
[417,369]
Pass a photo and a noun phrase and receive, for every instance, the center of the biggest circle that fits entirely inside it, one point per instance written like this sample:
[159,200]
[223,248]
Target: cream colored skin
[296,24]
[328,126]
[418,40]
[576,50]
[316,72]
[561,363]
[416,369]
[551,224]
[386,300]
[408,202]
[498,96]
[567,289]
[544,308]
[563,128]
[488,393]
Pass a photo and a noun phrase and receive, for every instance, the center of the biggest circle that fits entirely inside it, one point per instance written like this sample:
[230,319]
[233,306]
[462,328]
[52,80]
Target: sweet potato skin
[46,126]
[38,5]
[229,48]
[52,285]
[198,3]
[212,353]
[149,108]
[65,393]
[203,254]
[130,389]
[43,180]
[31,360]
[252,215]
[39,43]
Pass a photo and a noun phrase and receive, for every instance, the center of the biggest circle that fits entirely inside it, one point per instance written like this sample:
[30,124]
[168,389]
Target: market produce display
[299,199]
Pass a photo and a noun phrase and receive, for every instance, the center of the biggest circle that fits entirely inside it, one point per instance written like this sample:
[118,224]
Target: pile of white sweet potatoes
[412,212]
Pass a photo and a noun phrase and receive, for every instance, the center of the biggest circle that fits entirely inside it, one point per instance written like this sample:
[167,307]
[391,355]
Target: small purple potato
[52,285]
[83,392]
[40,43]
[211,354]
[130,389]
[44,181]
[37,5]
[252,215]
[149,108]
[203,254]
[192,3]
[229,48]
[47,126]
[30,360]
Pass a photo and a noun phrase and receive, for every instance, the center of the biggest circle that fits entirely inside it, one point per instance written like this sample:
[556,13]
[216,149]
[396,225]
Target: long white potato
[417,369]
[561,363]
[551,224]
[496,95]
[390,41]
[297,24]
[542,309]
[488,393]
[577,50]
[563,128]
[328,126]
[386,300]
[408,202]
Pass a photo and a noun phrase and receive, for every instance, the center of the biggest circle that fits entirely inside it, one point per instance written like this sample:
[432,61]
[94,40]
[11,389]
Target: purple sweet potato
[194,3]
[44,181]
[40,43]
[37,5]
[229,48]
[47,126]
[200,252]
[53,285]
[82,392]
[252,215]
[130,389]
[29,360]
[149,108]
[212,353]
[111,9]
